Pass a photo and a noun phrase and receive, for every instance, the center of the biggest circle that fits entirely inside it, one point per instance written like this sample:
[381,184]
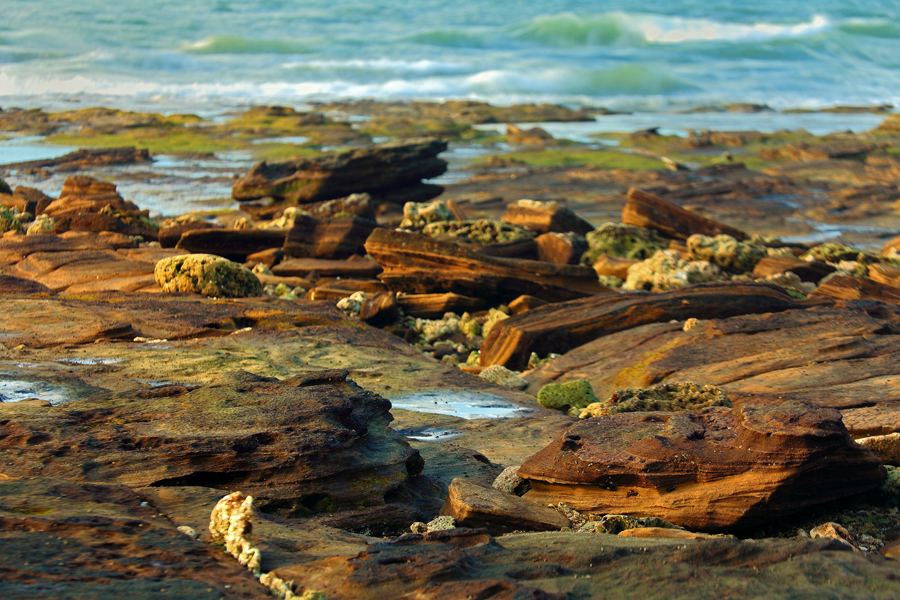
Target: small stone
[508,480]
[443,523]
[565,396]
[500,375]
[351,305]
[206,274]
[189,531]
[690,324]
[419,527]
[833,531]
[676,396]
[885,447]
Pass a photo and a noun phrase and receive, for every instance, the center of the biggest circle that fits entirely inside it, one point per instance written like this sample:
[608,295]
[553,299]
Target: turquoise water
[207,56]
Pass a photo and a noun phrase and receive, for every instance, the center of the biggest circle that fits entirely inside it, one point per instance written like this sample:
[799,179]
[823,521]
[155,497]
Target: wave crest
[620,28]
[236,44]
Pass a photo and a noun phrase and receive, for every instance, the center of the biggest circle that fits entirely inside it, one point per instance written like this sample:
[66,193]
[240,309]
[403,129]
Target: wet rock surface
[115,385]
[714,469]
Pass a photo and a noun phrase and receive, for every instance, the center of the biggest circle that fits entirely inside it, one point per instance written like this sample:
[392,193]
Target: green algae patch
[579,157]
[206,274]
[568,396]
[668,397]
[625,241]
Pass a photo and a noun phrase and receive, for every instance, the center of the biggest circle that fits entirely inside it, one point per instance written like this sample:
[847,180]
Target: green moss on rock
[571,395]
[206,274]
[726,252]
[669,397]
[626,241]
[9,221]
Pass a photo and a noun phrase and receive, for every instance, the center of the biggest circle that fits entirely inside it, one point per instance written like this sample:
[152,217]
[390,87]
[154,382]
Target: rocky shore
[548,369]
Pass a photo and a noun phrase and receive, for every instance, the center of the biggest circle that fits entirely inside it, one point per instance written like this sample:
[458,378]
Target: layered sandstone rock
[475,505]
[380,169]
[311,443]
[647,210]
[420,265]
[714,469]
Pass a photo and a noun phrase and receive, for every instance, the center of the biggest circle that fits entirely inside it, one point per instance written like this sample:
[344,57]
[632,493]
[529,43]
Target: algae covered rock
[42,225]
[481,231]
[666,270]
[837,253]
[500,375]
[726,252]
[615,524]
[626,241]
[419,214]
[571,395]
[669,397]
[206,274]
[9,221]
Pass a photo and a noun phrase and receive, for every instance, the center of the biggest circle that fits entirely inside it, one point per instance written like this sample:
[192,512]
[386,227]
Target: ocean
[209,56]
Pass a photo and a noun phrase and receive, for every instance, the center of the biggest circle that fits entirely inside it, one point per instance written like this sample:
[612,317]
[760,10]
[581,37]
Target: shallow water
[16,390]
[459,403]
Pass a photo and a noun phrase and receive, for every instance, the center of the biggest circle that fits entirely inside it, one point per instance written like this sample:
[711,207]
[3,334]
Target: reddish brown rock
[563,326]
[381,168]
[91,540]
[647,210]
[546,217]
[379,309]
[88,157]
[434,306]
[812,271]
[420,265]
[473,505]
[335,238]
[843,357]
[314,268]
[560,248]
[715,469]
[311,443]
[169,236]
[524,303]
[844,287]
[613,265]
[233,244]
[534,135]
[10,284]
[36,201]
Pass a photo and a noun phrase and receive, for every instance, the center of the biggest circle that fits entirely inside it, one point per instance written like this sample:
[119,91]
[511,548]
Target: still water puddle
[439,434]
[16,390]
[460,403]
[91,361]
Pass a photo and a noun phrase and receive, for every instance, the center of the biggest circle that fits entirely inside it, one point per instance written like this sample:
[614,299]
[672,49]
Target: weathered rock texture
[475,505]
[647,210]
[420,265]
[842,357]
[560,327]
[89,540]
[206,274]
[381,168]
[334,238]
[714,469]
[546,217]
[311,443]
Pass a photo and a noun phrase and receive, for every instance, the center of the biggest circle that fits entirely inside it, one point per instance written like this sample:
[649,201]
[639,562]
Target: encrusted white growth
[500,375]
[286,220]
[550,206]
[495,315]
[418,214]
[230,523]
[351,305]
[666,270]
[42,224]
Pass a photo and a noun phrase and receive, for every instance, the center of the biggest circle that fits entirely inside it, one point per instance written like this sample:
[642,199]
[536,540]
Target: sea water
[207,56]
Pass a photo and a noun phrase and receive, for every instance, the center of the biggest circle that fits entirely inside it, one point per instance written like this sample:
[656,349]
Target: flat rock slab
[581,566]
[63,539]
[473,505]
[562,326]
[714,469]
[417,264]
[311,443]
[842,357]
